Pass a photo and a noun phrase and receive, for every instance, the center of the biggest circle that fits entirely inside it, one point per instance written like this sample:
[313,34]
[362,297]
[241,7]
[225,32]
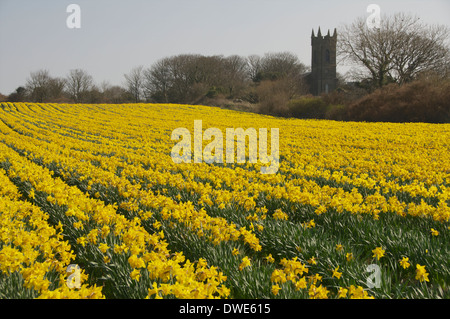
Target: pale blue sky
[116,36]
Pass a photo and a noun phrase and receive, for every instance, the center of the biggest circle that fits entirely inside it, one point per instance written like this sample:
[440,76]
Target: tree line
[77,87]
[183,78]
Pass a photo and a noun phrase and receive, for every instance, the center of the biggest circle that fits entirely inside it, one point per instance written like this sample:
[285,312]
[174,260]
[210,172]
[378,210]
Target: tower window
[327,56]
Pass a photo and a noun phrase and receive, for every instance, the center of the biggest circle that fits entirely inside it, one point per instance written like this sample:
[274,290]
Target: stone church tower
[323,63]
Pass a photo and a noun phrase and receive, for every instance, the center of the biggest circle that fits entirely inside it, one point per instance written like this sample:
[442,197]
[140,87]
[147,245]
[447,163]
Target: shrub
[424,100]
[273,97]
[212,92]
[336,112]
[274,104]
[307,107]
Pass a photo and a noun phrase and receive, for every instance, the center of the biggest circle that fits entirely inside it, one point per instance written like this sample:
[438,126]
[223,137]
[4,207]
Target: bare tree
[254,66]
[424,50]
[112,93]
[235,74]
[184,77]
[37,85]
[56,88]
[135,82]
[78,84]
[158,80]
[273,66]
[179,79]
[400,49]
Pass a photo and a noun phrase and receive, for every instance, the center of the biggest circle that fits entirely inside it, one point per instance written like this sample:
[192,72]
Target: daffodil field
[355,210]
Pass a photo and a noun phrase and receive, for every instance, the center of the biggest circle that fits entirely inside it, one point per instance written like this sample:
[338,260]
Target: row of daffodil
[322,197]
[11,260]
[132,262]
[78,163]
[114,146]
[34,258]
[298,183]
[320,290]
[244,183]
